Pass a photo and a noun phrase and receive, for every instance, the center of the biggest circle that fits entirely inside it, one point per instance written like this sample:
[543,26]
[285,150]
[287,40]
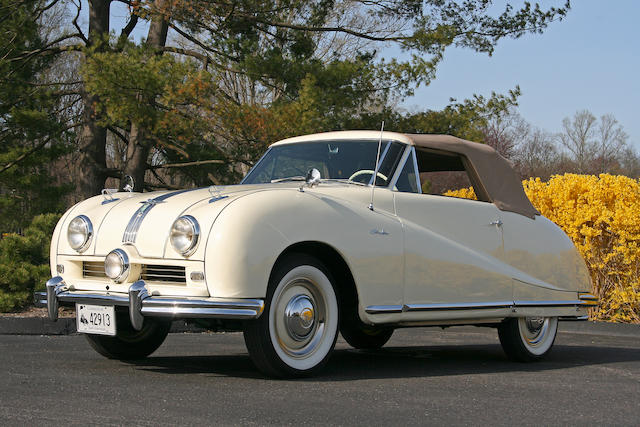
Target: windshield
[347,160]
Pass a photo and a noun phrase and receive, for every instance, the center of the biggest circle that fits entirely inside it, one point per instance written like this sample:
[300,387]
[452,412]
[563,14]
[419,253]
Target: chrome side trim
[459,306]
[588,299]
[574,318]
[142,304]
[561,303]
[383,309]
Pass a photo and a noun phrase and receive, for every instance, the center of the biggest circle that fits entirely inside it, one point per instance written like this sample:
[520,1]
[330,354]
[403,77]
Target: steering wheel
[362,172]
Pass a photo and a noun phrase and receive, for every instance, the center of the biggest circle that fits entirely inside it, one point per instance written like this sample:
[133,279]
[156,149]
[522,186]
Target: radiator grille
[151,273]
[163,273]
[93,269]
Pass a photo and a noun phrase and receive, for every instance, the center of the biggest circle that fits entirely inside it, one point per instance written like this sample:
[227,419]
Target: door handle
[497,223]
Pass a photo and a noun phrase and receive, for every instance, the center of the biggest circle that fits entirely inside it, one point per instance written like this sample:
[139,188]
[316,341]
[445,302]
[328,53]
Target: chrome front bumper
[142,304]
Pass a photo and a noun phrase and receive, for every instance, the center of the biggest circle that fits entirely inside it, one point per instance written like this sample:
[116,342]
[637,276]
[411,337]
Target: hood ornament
[108,193]
[216,193]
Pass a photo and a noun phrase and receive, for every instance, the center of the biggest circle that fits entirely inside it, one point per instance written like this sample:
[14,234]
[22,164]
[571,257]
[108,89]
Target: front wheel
[299,326]
[527,339]
[129,344]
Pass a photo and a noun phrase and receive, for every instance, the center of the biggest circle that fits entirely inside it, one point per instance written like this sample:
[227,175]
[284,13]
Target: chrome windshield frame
[409,155]
[388,143]
[380,161]
[255,165]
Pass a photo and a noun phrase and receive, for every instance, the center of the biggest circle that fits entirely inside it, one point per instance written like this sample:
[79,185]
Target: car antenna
[375,172]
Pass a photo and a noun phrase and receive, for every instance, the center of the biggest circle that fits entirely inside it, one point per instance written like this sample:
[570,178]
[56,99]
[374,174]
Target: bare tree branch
[182,165]
[133,21]
[34,149]
[75,23]
[117,133]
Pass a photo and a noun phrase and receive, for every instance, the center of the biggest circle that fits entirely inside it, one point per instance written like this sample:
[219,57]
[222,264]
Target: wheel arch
[340,271]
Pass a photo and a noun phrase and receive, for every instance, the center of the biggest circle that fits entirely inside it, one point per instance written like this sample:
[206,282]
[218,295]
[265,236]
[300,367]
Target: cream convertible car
[307,246]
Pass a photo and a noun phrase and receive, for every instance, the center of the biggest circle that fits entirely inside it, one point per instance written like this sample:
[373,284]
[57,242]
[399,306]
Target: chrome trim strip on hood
[131,232]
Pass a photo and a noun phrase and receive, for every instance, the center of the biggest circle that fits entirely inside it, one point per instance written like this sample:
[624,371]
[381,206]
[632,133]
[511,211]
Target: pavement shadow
[400,362]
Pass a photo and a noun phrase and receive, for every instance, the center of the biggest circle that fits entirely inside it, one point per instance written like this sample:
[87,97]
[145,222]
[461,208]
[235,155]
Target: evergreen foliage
[24,262]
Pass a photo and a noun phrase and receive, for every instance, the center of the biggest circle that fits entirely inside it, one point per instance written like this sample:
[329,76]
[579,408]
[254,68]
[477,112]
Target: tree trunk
[137,154]
[93,137]
[139,144]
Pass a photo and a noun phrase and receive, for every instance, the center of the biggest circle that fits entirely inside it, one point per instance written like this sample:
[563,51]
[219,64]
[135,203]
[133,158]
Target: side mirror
[313,178]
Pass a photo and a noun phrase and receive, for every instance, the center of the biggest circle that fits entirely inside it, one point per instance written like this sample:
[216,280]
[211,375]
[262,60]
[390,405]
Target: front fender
[250,234]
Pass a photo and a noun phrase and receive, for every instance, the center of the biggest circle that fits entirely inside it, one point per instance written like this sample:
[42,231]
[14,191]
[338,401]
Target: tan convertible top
[493,174]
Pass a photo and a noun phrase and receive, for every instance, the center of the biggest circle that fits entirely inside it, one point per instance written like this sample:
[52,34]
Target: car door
[453,250]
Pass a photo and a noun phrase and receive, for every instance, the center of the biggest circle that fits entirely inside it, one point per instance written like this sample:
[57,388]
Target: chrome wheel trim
[303,317]
[537,333]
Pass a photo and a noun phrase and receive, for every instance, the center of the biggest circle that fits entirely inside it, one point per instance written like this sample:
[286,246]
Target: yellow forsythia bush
[601,214]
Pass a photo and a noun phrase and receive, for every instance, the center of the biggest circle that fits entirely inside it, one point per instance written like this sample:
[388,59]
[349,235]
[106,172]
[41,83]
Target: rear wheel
[359,335]
[129,344]
[527,339]
[298,328]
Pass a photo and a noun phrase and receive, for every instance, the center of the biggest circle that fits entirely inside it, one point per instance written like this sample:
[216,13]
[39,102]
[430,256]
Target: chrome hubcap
[534,324]
[301,319]
[534,330]
[300,316]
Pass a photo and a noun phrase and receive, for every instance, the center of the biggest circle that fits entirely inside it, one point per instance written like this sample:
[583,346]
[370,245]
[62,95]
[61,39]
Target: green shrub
[24,262]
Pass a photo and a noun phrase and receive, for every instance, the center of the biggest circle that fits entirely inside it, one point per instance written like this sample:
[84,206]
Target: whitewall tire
[527,339]
[297,331]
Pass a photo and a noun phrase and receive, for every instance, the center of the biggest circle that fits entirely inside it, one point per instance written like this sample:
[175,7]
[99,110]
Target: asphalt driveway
[423,376]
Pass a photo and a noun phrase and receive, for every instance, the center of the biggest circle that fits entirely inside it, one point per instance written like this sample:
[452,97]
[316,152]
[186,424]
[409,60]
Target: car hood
[143,220]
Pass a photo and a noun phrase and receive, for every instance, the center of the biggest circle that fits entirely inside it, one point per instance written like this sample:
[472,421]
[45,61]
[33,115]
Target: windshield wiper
[344,181]
[289,178]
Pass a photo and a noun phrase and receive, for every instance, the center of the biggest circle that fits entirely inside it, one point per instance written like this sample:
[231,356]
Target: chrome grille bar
[174,274]
[163,273]
[93,269]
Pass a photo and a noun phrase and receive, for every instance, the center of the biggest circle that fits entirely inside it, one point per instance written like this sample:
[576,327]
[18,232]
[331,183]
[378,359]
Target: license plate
[96,319]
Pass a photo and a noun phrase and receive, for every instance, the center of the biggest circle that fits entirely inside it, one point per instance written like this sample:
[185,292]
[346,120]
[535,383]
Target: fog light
[116,265]
[60,268]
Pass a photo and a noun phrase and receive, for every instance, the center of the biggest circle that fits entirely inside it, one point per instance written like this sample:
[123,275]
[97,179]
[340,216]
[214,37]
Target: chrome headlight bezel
[121,260]
[185,227]
[80,222]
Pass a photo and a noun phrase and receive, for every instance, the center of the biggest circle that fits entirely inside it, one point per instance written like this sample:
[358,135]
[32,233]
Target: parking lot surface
[458,376]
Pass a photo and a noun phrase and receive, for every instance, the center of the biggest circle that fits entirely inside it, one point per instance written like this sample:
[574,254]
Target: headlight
[116,265]
[184,235]
[79,233]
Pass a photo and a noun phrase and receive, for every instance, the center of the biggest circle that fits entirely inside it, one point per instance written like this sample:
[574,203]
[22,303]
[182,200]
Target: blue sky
[590,60]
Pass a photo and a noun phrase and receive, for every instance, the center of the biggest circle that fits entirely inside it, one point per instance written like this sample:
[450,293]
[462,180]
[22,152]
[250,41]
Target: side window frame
[474,178]
[408,156]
